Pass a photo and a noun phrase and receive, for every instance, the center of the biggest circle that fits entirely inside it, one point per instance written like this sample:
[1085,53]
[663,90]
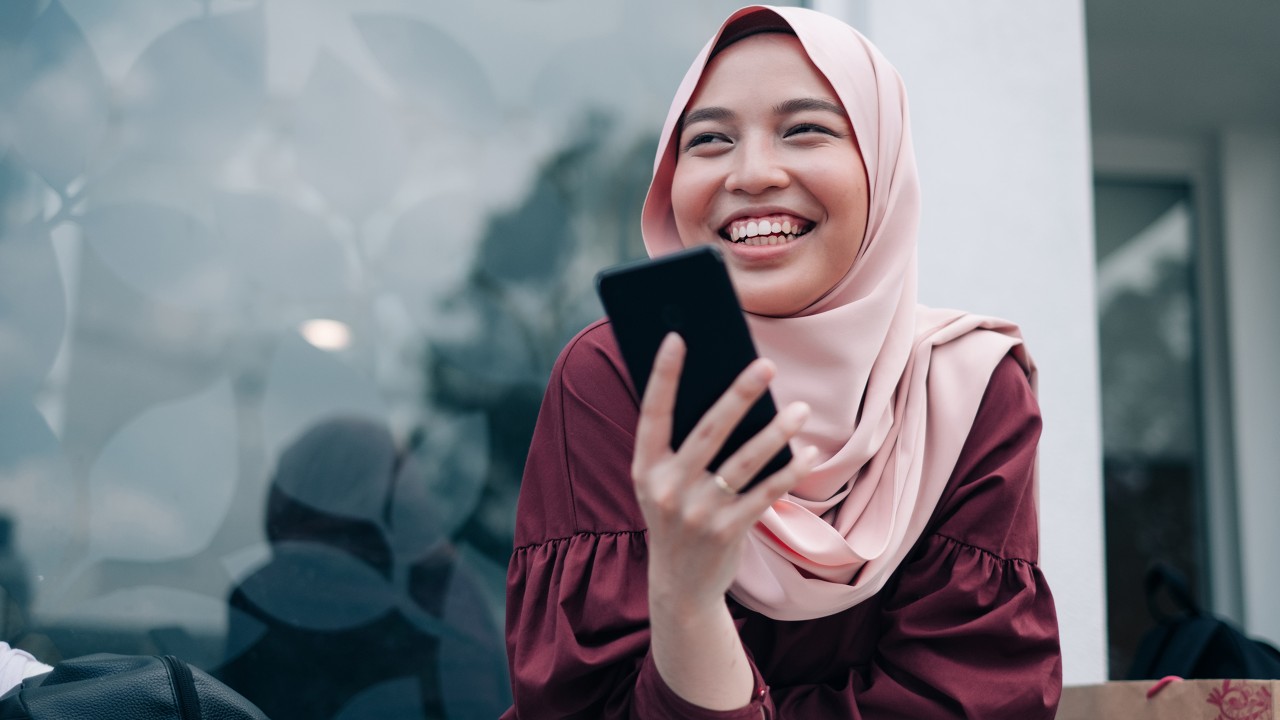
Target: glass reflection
[356,604]
[1149,371]
[184,188]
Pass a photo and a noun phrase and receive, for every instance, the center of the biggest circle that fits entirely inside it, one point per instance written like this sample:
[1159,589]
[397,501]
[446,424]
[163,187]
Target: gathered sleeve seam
[983,551]
[584,533]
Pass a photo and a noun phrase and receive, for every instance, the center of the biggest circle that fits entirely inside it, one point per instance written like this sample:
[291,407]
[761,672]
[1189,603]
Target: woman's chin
[769,304]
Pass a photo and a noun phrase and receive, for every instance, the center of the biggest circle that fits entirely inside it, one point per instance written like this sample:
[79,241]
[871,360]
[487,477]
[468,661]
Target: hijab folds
[893,386]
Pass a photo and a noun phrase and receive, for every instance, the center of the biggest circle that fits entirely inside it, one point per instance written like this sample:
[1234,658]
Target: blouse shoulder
[592,350]
[995,475]
[577,475]
[970,613]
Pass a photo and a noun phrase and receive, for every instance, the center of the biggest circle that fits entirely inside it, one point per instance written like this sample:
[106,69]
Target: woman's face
[769,171]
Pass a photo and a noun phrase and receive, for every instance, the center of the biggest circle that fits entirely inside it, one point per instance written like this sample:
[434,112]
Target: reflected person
[329,515]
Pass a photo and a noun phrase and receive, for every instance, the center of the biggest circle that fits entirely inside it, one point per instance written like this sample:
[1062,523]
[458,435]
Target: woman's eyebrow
[796,105]
[714,113]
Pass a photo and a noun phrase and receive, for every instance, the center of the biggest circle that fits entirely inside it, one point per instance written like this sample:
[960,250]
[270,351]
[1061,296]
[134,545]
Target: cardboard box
[1172,699]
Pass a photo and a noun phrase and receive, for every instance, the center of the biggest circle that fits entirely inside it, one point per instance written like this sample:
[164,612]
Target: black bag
[142,687]
[1194,643]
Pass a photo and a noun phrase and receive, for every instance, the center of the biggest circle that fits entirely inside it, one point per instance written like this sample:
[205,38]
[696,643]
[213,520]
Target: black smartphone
[688,292]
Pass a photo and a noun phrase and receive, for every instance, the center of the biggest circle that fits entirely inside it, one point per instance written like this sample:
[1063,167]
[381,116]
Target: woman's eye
[809,128]
[703,139]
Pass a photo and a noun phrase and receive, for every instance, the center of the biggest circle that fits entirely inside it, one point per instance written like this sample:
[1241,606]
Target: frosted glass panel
[281,284]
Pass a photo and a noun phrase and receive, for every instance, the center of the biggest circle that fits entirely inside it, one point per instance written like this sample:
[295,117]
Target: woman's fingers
[653,432]
[748,507]
[743,465]
[708,436]
[657,407]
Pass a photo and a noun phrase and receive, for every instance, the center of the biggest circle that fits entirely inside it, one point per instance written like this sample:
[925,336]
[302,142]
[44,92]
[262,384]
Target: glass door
[1150,372]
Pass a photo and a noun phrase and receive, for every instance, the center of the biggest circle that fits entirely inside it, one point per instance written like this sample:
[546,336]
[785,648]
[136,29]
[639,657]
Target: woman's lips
[775,229]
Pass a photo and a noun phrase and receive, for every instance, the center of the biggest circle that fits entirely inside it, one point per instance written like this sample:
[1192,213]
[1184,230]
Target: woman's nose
[756,168]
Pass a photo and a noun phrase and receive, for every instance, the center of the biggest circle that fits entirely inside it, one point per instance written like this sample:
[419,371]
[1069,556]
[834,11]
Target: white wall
[1251,234]
[1000,117]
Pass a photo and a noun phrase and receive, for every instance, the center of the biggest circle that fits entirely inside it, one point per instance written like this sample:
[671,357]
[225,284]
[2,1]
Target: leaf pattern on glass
[243,630]
[349,145]
[37,489]
[57,99]
[306,385]
[197,89]
[286,588]
[172,473]
[529,244]
[193,642]
[433,70]
[146,605]
[428,254]
[184,615]
[23,194]
[474,681]
[244,561]
[165,253]
[414,528]
[130,352]
[343,467]
[566,85]
[281,251]
[453,457]
[16,18]
[32,309]
[398,698]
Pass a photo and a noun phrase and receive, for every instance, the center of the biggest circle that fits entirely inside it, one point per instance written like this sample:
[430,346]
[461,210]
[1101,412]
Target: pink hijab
[893,386]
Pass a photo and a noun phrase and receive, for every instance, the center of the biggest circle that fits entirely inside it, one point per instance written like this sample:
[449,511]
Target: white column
[1251,249]
[1000,116]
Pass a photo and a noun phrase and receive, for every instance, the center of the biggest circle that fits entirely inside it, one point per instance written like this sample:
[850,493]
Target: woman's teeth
[765,232]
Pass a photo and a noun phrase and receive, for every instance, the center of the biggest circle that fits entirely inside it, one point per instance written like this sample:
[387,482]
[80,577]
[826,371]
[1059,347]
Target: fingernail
[797,413]
[763,370]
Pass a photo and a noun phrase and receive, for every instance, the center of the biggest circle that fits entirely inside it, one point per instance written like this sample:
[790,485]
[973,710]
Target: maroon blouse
[966,627]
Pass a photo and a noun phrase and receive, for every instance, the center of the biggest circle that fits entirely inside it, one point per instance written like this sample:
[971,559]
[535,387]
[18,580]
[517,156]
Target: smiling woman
[890,570]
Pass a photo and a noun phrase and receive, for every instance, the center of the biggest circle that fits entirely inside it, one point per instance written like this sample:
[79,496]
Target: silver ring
[724,485]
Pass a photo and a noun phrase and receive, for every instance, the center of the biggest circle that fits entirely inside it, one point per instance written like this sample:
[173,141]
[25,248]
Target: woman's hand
[697,528]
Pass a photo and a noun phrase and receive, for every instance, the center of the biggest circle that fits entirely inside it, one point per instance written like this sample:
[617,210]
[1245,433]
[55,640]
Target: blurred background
[281,282]
[280,287]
